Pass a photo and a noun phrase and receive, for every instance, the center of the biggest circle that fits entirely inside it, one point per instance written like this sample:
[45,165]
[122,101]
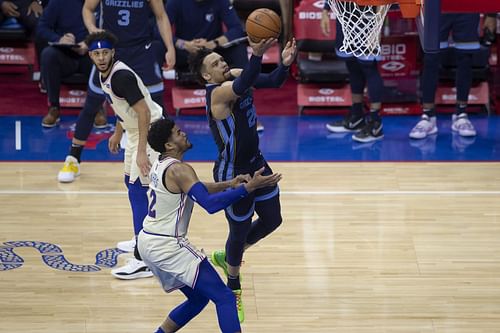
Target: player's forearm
[144,119]
[164,26]
[118,127]
[249,75]
[275,79]
[88,16]
[217,187]
[215,202]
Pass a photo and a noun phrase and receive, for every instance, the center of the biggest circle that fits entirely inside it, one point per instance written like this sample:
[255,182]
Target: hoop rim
[409,8]
[384,2]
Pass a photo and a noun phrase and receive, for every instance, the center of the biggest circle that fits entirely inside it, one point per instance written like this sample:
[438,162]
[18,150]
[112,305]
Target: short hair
[101,35]
[196,63]
[159,133]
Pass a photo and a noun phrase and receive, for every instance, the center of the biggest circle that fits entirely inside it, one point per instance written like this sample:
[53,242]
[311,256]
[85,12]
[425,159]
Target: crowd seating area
[319,78]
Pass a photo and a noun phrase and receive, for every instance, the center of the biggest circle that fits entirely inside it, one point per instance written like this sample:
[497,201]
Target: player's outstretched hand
[260,181]
[240,179]
[289,52]
[261,47]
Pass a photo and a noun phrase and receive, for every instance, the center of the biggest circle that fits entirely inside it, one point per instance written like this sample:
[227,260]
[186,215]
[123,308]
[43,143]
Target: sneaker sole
[371,139]
[464,134]
[140,275]
[426,135]
[51,125]
[341,129]
[67,180]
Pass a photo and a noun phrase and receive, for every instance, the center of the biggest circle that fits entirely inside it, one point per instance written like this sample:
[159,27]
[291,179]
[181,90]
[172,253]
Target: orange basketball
[263,23]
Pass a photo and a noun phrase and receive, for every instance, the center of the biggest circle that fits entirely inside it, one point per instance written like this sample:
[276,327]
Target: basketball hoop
[362,22]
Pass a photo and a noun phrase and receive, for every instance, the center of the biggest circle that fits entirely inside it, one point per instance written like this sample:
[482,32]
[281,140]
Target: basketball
[263,23]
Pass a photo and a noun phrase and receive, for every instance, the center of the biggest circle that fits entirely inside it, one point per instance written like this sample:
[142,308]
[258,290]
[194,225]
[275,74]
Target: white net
[361,26]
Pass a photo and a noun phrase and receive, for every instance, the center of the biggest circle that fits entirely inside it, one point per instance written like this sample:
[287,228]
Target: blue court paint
[286,138]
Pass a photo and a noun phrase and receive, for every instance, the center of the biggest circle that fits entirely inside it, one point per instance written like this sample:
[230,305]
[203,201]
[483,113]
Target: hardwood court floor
[364,247]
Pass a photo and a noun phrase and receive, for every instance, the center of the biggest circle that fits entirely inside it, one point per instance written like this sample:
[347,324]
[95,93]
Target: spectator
[489,29]
[26,12]
[200,24]
[62,23]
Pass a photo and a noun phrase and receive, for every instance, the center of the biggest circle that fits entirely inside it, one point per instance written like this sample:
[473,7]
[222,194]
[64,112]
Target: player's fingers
[259,172]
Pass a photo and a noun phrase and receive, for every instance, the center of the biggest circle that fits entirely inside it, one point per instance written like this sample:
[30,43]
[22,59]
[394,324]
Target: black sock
[136,253]
[76,151]
[357,109]
[461,108]
[233,282]
[374,115]
[430,112]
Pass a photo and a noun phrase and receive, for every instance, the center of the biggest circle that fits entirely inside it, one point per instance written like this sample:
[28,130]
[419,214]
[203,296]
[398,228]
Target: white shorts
[174,261]
[130,168]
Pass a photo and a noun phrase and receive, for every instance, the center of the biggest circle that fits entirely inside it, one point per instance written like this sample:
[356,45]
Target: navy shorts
[244,209]
[464,30]
[339,40]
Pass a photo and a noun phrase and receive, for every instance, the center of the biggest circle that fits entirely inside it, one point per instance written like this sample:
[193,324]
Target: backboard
[430,12]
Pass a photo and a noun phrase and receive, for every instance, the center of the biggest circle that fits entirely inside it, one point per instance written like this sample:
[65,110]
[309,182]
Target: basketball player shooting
[232,120]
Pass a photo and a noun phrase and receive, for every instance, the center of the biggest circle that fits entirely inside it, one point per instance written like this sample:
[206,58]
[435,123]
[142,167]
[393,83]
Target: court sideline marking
[319,193]
[18,135]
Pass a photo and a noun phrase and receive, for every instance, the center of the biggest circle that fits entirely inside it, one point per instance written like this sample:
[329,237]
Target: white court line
[318,193]
[18,135]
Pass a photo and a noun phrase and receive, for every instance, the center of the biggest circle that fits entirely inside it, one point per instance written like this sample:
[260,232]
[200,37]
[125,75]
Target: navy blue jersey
[236,136]
[129,20]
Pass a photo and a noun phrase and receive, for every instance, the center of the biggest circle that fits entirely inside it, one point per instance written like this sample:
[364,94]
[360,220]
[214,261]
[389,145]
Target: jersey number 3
[124,17]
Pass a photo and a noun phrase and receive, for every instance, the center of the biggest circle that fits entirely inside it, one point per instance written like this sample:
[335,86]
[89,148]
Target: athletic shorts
[130,165]
[463,28]
[244,209]
[173,260]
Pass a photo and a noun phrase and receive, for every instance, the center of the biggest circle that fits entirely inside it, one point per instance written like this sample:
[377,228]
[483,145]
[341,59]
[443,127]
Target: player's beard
[110,63]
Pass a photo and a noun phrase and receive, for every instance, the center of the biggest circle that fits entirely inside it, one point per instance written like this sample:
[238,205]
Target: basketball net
[361,26]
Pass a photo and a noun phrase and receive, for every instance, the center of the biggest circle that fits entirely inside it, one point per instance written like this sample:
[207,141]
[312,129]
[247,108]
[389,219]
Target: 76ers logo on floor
[52,256]
[97,136]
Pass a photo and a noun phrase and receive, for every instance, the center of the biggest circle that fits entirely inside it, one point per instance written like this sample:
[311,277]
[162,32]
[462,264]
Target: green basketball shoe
[218,258]
[239,305]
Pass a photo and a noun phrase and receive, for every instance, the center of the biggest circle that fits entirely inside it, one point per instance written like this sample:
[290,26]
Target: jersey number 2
[124,17]
[152,202]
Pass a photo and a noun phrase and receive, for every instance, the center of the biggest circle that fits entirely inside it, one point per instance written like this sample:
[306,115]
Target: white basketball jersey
[123,110]
[169,213]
